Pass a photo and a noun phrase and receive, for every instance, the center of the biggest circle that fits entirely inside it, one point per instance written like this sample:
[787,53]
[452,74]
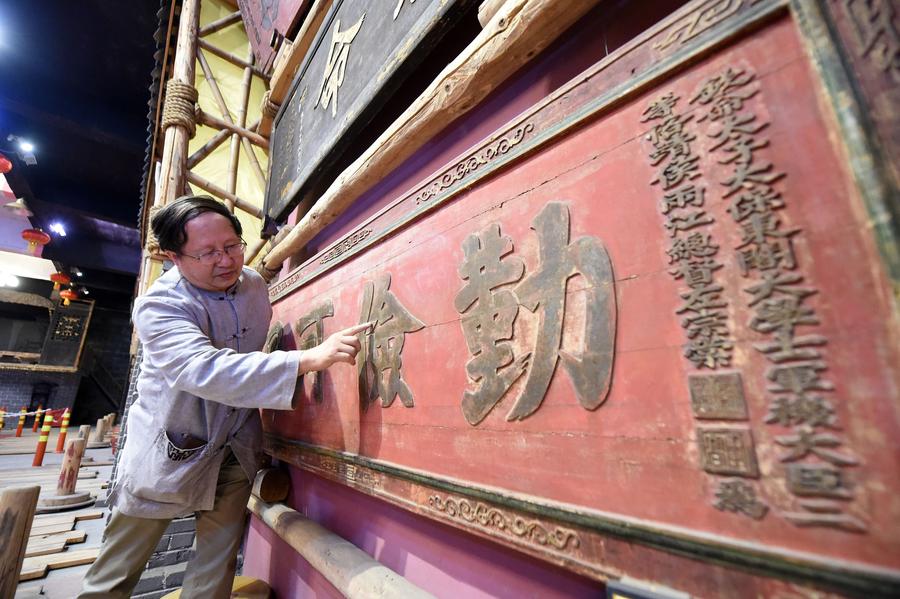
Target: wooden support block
[16,512]
[271,485]
[36,567]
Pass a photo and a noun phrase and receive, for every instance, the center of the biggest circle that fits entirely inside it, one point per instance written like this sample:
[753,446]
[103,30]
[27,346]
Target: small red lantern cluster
[35,238]
[5,165]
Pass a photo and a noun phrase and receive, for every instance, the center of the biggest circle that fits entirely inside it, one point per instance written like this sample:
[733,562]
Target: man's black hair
[168,224]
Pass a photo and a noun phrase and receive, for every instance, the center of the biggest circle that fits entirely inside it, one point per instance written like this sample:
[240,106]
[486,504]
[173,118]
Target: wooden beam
[228,56]
[223,194]
[517,33]
[220,24]
[487,10]
[352,571]
[175,144]
[284,72]
[17,506]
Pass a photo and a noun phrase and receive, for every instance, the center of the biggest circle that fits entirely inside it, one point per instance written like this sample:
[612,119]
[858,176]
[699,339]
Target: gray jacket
[202,380]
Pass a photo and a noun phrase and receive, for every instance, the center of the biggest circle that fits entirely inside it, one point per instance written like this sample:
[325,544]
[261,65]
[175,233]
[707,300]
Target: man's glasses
[213,257]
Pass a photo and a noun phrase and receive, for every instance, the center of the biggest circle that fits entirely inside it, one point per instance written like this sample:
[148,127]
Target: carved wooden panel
[359,58]
[66,333]
[268,20]
[653,319]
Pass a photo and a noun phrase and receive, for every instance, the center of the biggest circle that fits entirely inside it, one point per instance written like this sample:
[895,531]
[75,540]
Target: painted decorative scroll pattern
[780,299]
[492,518]
[345,245]
[706,16]
[473,163]
[489,312]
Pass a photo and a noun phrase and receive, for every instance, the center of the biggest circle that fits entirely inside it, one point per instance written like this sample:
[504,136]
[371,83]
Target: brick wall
[16,387]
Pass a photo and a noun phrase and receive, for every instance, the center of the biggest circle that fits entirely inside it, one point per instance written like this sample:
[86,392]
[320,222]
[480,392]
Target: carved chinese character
[336,64]
[782,314]
[877,33]
[399,6]
[760,199]
[817,479]
[719,396]
[696,273]
[788,346]
[799,378]
[805,442]
[488,317]
[727,451]
[814,411]
[709,345]
[722,91]
[738,496]
[310,331]
[273,338]
[686,221]
[695,246]
[689,195]
[379,363]
[545,290]
[822,512]
[781,282]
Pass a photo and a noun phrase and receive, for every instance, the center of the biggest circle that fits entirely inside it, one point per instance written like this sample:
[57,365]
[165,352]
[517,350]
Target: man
[193,438]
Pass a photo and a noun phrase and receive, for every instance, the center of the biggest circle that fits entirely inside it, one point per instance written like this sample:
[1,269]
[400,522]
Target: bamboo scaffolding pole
[283,75]
[228,56]
[223,194]
[204,118]
[175,144]
[226,115]
[210,146]
[235,154]
[220,24]
[518,32]
[254,250]
[352,571]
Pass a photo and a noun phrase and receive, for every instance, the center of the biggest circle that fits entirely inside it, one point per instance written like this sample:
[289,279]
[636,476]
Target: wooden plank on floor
[44,544]
[36,567]
[45,519]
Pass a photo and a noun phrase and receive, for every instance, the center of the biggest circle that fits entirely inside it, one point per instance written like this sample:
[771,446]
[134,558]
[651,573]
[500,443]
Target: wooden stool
[244,587]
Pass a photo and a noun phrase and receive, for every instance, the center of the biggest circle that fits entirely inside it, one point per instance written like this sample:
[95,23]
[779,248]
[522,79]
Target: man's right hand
[338,347]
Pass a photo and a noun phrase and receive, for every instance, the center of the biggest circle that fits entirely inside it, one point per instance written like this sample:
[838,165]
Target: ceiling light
[77,272]
[26,146]
[85,291]
[58,229]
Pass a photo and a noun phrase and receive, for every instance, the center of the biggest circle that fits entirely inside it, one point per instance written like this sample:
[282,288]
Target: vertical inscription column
[800,395]
[727,449]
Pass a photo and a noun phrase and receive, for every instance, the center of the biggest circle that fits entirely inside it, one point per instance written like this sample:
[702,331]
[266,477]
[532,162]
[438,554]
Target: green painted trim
[868,165]
[834,575]
[687,55]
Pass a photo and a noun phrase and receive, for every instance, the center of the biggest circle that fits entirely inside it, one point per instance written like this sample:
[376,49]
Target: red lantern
[35,237]
[59,278]
[5,165]
[68,295]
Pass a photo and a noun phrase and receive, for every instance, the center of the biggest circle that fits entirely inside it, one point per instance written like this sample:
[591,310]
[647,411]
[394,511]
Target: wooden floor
[63,543]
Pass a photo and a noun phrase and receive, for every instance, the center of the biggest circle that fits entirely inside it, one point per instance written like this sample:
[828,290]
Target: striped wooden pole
[63,429]
[42,441]
[37,419]
[21,422]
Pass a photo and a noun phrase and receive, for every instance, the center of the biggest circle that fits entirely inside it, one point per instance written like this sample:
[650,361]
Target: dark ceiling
[74,80]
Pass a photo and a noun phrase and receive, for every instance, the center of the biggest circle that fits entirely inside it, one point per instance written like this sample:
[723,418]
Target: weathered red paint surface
[636,455]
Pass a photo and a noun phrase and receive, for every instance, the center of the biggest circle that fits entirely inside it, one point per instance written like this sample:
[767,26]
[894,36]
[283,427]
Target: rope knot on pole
[270,108]
[179,107]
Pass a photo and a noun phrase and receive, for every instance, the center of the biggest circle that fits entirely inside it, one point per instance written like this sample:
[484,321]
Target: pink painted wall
[435,557]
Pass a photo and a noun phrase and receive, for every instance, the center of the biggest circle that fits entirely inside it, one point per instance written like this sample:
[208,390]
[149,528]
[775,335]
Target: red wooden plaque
[643,327]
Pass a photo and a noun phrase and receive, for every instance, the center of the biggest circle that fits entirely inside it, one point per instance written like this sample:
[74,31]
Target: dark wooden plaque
[66,333]
[265,21]
[361,55]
